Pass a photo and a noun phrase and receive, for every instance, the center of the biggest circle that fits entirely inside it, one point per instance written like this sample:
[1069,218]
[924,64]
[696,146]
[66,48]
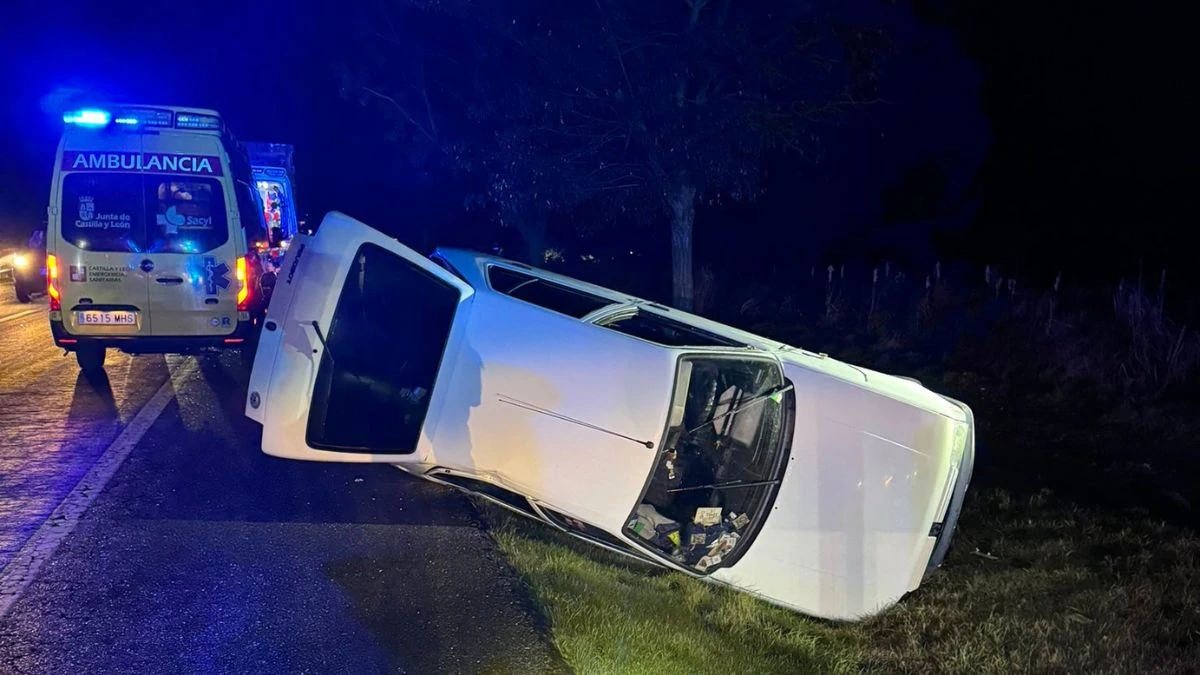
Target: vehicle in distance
[814,484]
[29,267]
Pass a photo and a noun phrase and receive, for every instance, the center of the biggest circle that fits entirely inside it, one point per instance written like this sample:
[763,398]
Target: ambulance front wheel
[90,357]
[24,290]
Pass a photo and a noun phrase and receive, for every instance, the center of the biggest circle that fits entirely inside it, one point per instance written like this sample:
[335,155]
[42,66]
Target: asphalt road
[142,531]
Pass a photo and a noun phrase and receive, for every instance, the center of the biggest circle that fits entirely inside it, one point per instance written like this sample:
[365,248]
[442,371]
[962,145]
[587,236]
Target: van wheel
[90,357]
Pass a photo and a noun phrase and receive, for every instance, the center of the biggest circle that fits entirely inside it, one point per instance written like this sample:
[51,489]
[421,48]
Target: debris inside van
[652,526]
[708,515]
[702,543]
[710,537]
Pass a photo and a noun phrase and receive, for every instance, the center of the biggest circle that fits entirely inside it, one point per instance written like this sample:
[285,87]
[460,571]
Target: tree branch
[403,112]
[592,118]
[429,111]
[694,18]
[619,187]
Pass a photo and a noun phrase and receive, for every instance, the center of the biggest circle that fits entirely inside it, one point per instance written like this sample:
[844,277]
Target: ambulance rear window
[131,213]
[104,212]
[189,214]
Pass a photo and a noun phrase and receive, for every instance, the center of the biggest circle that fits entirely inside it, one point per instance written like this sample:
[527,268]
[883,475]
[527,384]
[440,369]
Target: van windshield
[138,213]
[720,465]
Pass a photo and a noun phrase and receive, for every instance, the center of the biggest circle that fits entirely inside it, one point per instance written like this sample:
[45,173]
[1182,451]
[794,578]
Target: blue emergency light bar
[194,121]
[87,118]
[141,118]
[149,117]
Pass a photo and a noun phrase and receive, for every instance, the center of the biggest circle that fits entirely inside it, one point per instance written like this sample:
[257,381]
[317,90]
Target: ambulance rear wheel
[90,357]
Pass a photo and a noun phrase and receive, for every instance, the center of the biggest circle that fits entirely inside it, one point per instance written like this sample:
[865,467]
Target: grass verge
[1033,584]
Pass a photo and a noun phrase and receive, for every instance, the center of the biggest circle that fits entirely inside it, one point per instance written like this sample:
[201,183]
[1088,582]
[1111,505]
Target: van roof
[172,108]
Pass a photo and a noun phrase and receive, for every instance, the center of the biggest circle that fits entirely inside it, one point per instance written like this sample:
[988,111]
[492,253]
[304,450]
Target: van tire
[90,357]
[23,297]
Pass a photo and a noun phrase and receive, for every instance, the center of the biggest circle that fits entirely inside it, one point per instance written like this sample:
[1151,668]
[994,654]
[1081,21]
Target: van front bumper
[143,344]
[29,281]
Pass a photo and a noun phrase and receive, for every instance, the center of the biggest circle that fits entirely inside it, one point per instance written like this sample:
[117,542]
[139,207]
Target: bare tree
[638,109]
[704,90]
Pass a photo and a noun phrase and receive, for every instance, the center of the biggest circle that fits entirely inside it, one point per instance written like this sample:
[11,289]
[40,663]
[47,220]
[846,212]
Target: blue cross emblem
[216,275]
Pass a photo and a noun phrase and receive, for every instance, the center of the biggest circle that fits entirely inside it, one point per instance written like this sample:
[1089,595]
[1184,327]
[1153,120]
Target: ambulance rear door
[98,224]
[194,246]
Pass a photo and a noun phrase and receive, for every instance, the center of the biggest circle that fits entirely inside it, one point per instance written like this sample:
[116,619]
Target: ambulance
[274,177]
[149,241]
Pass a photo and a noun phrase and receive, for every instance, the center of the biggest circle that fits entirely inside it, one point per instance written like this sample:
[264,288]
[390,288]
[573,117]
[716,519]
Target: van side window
[543,293]
[667,332]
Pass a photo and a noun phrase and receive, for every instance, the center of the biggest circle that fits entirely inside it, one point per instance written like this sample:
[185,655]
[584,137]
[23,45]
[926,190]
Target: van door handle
[210,301]
[169,281]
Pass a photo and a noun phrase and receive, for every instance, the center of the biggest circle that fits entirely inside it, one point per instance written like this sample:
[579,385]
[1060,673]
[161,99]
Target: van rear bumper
[141,344]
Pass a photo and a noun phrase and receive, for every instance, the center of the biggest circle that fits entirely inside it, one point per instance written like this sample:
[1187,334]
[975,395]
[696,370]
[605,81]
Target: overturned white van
[820,486]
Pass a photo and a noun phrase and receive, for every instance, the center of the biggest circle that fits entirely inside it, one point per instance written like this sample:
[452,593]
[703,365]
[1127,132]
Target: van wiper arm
[321,337]
[726,486]
[745,404]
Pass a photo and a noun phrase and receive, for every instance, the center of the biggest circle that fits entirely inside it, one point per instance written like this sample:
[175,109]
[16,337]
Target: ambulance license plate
[113,318]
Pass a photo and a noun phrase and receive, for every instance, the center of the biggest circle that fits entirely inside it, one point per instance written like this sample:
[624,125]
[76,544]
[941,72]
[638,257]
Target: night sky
[1044,135]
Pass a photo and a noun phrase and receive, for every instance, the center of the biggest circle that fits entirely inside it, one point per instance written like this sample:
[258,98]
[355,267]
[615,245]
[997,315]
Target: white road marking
[20,572]
[14,317]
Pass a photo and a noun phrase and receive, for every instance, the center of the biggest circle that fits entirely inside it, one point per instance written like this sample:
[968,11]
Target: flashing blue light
[145,117]
[197,122]
[87,118]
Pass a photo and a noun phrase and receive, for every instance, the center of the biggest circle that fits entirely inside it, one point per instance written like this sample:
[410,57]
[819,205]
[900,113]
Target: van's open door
[352,346]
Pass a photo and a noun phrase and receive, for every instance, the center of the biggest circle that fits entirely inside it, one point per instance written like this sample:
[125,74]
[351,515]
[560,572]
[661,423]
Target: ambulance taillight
[242,272]
[52,282]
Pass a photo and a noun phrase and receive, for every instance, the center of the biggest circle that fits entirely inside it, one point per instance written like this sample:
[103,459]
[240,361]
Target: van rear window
[113,212]
[189,214]
[104,212]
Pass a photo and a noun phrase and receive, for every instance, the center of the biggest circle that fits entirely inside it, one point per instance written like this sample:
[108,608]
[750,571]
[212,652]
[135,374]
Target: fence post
[1162,295]
[874,283]
[1053,302]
